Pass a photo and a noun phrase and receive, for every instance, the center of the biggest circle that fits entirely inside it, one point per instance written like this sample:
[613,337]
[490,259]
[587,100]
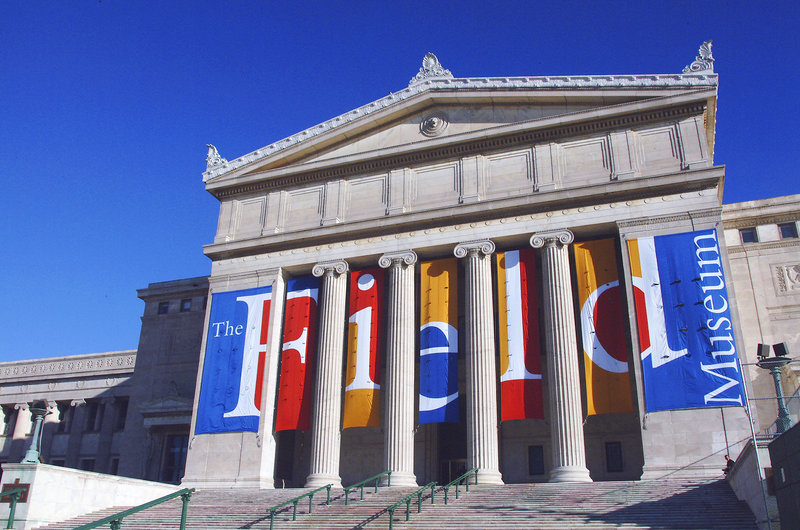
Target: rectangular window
[749,235]
[614,457]
[94,416]
[186,305]
[788,230]
[120,413]
[86,464]
[8,421]
[535,460]
[113,465]
[163,308]
[65,412]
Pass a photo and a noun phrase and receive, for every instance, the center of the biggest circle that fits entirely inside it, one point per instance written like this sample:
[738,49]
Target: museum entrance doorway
[452,451]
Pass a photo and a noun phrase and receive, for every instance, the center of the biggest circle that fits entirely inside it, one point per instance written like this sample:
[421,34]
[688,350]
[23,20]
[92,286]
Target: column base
[400,479]
[318,480]
[570,474]
[489,476]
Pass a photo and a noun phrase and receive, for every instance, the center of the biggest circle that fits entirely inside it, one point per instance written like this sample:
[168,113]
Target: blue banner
[438,342]
[688,352]
[233,370]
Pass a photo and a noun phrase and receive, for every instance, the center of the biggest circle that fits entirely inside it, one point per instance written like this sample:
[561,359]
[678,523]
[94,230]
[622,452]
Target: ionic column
[326,418]
[23,424]
[482,448]
[22,427]
[398,447]
[569,458]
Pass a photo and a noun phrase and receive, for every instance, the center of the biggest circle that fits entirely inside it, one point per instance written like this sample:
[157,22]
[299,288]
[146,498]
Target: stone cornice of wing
[572,123]
[609,192]
[544,84]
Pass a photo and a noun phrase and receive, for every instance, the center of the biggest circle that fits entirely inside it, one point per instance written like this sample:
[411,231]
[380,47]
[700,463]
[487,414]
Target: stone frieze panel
[541,168]
[509,174]
[786,279]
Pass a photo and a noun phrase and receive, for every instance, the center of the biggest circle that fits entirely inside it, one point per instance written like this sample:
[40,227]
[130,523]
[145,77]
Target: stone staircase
[665,503]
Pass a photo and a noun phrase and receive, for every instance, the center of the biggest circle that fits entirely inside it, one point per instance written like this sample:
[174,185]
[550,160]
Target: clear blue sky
[106,107]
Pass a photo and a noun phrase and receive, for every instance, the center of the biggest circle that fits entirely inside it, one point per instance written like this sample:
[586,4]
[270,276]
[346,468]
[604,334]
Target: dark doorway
[174,461]
[453,448]
[284,461]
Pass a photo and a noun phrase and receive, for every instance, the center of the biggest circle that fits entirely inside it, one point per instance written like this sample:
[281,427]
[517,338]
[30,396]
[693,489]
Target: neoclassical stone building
[126,412]
[470,272]
[408,286]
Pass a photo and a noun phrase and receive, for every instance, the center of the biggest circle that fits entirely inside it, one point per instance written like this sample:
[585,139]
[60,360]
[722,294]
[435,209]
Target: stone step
[667,503]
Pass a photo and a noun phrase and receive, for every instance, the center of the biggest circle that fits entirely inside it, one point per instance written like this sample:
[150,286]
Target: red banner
[362,390]
[297,358]
[520,352]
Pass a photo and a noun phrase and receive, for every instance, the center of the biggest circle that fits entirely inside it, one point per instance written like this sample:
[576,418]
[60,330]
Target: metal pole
[186,497]
[32,454]
[12,509]
[784,421]
[749,412]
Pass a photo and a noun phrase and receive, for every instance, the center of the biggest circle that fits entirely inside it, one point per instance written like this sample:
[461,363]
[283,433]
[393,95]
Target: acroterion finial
[212,158]
[431,69]
[704,62]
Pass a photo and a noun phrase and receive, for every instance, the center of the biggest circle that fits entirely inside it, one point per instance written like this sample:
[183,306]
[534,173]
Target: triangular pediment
[441,111]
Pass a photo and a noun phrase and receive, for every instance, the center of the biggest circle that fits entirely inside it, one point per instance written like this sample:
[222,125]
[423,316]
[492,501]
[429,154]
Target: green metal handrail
[116,520]
[293,502]
[457,482]
[363,482]
[407,501]
[15,494]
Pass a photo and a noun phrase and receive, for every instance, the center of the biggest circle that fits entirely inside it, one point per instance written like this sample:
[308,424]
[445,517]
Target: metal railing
[15,495]
[407,501]
[115,521]
[457,482]
[361,484]
[293,502]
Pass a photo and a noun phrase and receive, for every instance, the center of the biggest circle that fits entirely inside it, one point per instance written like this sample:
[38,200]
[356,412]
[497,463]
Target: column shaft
[566,422]
[482,443]
[398,453]
[327,412]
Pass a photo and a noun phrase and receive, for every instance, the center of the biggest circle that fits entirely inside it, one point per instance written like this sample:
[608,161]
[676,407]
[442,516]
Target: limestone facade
[468,166]
[764,254]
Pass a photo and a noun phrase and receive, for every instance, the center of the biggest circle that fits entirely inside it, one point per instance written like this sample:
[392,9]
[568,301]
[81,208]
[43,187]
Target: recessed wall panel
[509,174]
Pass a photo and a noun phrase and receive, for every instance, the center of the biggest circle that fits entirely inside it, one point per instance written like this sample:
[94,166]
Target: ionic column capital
[22,406]
[483,246]
[330,268]
[404,257]
[551,238]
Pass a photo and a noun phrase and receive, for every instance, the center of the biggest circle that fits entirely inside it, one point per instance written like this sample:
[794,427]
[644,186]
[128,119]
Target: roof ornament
[704,62]
[431,69]
[212,158]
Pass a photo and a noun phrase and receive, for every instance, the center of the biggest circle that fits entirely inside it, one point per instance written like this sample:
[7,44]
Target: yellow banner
[603,331]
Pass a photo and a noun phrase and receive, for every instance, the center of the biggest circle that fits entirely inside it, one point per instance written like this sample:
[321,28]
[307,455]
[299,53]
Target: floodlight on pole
[773,365]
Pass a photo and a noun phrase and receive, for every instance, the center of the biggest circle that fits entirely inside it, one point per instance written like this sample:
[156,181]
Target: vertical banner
[297,357]
[520,351]
[362,390]
[605,352]
[685,331]
[438,342]
[233,369]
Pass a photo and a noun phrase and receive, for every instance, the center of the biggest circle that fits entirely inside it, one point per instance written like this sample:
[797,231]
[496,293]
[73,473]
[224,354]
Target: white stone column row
[569,463]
